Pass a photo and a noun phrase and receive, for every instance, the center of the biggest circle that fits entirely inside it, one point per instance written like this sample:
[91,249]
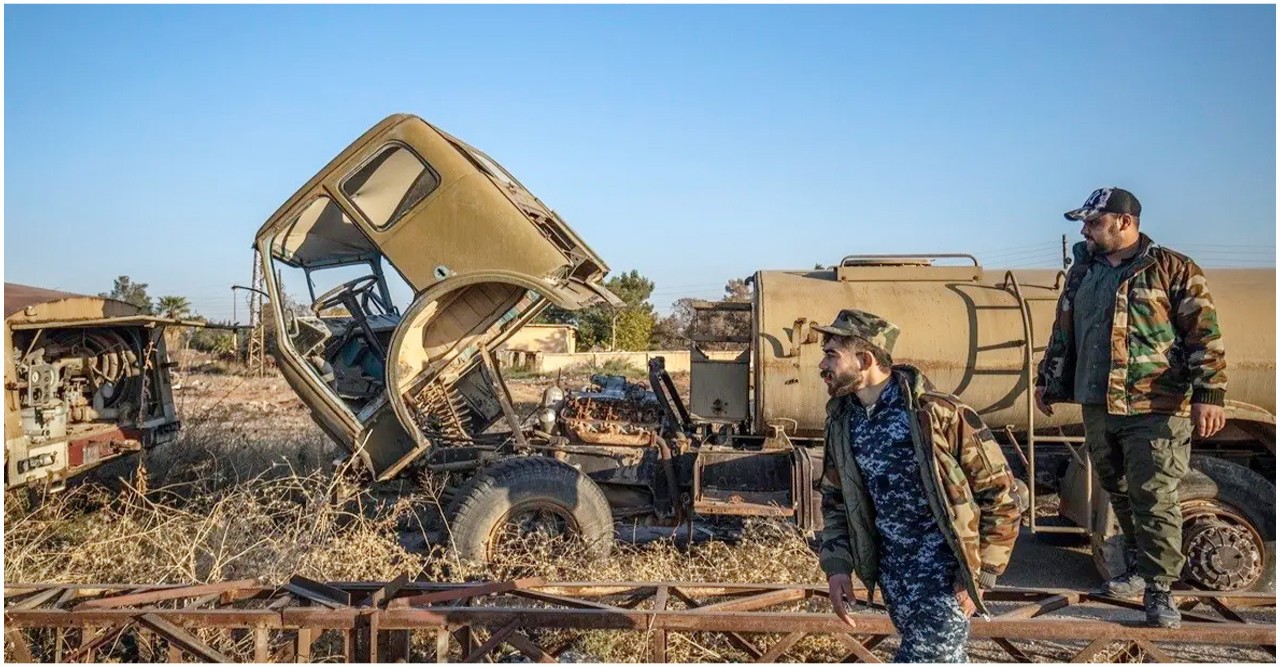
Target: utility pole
[256,348]
[1066,256]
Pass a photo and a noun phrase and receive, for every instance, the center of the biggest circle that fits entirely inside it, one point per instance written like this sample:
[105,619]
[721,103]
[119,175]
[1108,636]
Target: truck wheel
[524,497]
[1228,529]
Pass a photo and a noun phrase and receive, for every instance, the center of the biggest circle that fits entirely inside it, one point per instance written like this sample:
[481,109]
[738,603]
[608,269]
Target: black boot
[1128,584]
[1160,610]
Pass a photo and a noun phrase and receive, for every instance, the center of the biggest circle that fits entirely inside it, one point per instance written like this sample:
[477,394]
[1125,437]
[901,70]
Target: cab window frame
[350,201]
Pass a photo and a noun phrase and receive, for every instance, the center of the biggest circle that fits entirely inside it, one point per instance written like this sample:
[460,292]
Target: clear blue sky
[695,144]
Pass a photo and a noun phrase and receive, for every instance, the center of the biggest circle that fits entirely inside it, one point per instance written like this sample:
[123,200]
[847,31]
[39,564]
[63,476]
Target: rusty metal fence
[306,620]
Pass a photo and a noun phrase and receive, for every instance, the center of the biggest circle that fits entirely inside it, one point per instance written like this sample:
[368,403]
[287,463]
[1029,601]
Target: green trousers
[1140,459]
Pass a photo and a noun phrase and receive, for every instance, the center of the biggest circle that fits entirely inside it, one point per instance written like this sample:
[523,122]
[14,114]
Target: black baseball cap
[1106,200]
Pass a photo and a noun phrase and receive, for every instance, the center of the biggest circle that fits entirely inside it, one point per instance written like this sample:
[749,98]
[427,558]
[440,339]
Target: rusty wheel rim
[538,519]
[1224,552]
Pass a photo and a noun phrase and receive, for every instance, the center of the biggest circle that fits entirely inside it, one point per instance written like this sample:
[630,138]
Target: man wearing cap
[1136,343]
[916,495]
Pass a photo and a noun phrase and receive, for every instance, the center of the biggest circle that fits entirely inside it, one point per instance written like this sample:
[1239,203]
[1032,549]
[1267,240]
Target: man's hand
[1209,419]
[1044,407]
[966,603]
[840,590]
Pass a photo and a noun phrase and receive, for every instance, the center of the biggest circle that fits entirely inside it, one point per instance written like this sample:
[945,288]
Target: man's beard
[845,384]
[1100,248]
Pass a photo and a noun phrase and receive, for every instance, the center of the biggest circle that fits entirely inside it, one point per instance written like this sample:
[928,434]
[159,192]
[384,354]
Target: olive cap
[874,329]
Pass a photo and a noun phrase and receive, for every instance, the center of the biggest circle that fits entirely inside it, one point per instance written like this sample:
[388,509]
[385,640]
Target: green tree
[224,344]
[556,315]
[128,291]
[173,307]
[177,308]
[634,329]
[219,342]
[629,327]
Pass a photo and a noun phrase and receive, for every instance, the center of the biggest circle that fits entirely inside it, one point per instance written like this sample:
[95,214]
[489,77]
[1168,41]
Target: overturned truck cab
[426,255]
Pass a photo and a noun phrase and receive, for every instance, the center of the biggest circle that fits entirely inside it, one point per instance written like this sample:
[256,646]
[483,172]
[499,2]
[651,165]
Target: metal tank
[964,327]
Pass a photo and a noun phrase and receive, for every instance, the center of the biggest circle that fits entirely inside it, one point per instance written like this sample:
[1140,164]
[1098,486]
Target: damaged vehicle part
[86,382]
[405,380]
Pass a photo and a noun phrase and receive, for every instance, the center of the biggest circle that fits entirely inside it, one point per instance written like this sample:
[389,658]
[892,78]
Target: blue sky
[695,144]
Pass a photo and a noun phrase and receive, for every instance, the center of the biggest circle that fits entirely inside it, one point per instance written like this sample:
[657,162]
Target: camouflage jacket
[966,479]
[1166,345]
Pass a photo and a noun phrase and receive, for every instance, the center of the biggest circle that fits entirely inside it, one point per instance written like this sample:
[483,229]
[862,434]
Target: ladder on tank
[1075,445]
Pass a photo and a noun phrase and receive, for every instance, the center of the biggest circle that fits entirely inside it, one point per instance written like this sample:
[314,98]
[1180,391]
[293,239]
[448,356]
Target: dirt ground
[266,411]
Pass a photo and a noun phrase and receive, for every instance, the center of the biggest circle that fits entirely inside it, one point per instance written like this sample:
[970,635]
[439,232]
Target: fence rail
[372,621]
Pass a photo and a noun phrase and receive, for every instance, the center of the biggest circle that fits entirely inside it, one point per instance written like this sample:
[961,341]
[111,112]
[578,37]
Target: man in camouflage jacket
[916,495]
[1136,342]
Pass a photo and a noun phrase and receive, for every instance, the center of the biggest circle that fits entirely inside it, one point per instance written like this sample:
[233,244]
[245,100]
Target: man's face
[844,370]
[1105,234]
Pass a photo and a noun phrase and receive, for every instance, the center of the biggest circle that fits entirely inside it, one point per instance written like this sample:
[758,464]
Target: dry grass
[269,526]
[766,553]
[251,491]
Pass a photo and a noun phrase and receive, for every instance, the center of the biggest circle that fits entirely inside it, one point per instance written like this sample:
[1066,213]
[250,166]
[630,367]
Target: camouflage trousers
[1140,459]
[930,622]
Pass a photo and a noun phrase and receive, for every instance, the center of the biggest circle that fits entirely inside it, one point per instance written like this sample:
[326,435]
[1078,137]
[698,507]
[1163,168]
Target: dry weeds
[251,490]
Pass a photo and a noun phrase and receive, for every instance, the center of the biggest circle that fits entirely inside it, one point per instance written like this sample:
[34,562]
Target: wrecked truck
[86,382]
[394,274]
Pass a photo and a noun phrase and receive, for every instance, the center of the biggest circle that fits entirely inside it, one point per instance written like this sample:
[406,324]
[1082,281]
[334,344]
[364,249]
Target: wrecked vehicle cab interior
[394,272]
[342,332]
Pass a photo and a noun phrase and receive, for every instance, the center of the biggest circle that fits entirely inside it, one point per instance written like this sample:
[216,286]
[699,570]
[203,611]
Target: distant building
[547,338]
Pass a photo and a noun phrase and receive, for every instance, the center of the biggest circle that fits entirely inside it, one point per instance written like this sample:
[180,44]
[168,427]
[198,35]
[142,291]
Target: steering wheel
[357,295]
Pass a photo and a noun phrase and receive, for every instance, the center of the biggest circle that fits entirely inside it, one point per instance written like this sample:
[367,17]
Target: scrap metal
[473,620]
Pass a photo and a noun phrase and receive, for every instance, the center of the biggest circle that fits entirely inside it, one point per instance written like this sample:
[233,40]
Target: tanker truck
[394,274]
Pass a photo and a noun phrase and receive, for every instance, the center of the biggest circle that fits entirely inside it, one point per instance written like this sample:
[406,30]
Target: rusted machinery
[452,255]
[305,621]
[86,381]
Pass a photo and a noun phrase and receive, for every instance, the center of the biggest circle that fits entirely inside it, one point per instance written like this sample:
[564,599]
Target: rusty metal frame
[374,620]
[1074,444]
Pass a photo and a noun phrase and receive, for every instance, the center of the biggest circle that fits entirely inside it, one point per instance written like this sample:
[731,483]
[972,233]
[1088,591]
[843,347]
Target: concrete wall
[677,361]
[553,338]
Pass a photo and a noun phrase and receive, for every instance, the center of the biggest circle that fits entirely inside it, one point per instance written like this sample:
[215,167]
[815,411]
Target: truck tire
[528,495]
[1228,529]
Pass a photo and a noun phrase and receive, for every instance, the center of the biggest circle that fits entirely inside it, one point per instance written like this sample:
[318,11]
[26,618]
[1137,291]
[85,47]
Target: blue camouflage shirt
[912,546]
